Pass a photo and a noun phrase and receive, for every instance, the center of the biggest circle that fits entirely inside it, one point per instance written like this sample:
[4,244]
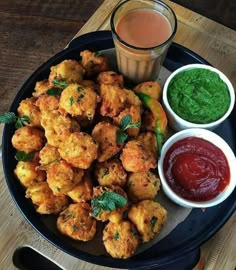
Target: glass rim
[140,48]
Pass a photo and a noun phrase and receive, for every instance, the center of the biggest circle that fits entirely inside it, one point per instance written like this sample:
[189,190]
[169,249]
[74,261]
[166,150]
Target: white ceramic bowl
[216,140]
[176,122]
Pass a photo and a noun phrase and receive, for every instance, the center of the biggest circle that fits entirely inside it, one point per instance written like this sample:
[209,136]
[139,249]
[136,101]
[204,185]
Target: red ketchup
[196,169]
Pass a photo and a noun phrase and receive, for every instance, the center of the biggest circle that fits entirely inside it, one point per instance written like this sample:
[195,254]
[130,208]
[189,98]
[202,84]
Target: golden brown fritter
[27,173]
[149,140]
[76,222]
[62,178]
[131,98]
[48,155]
[44,200]
[28,139]
[28,108]
[78,100]
[69,71]
[79,149]
[110,173]
[106,206]
[136,158]
[110,77]
[121,240]
[83,191]
[105,134]
[148,217]
[41,87]
[113,100]
[47,103]
[134,112]
[151,88]
[93,63]
[57,127]
[89,83]
[142,186]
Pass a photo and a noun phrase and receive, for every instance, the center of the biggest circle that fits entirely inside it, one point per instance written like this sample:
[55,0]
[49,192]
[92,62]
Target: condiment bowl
[176,122]
[213,138]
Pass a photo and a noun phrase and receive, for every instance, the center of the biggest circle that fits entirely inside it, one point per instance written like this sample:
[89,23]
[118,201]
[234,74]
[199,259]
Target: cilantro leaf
[23,156]
[53,91]
[125,121]
[153,222]
[116,236]
[8,118]
[121,136]
[60,83]
[21,121]
[108,201]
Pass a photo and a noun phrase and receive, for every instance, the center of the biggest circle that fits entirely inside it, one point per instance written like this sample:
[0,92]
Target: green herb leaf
[21,121]
[8,118]
[97,54]
[134,125]
[108,201]
[71,101]
[116,236]
[53,91]
[22,156]
[106,172]
[121,136]
[153,222]
[125,121]
[60,83]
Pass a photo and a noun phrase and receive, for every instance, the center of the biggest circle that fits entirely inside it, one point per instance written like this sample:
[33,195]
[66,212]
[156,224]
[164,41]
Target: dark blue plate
[184,240]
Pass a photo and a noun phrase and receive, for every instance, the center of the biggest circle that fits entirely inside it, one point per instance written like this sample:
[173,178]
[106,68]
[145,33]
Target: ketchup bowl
[197,96]
[197,168]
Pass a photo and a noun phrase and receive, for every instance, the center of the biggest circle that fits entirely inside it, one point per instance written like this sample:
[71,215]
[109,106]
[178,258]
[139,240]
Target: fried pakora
[76,222]
[121,240]
[148,217]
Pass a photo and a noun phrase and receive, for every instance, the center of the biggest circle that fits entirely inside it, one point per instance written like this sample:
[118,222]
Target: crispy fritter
[27,173]
[110,77]
[47,103]
[148,121]
[151,88]
[83,191]
[28,108]
[142,186]
[44,200]
[78,100]
[113,100]
[69,71]
[136,158]
[62,178]
[28,139]
[121,240]
[41,87]
[48,155]
[149,140]
[110,173]
[148,217]
[76,222]
[79,149]
[57,127]
[105,134]
[93,63]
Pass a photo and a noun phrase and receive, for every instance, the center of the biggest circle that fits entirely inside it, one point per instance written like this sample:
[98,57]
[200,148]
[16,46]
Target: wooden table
[215,43]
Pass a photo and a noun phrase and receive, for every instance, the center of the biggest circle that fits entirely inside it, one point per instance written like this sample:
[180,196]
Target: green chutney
[198,95]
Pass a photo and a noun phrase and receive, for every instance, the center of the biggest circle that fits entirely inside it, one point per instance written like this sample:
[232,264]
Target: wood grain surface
[32,46]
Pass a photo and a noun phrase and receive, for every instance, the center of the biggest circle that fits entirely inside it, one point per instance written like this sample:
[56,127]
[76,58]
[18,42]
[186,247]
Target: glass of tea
[142,31]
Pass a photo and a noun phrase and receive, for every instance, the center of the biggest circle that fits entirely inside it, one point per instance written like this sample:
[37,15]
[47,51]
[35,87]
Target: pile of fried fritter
[87,152]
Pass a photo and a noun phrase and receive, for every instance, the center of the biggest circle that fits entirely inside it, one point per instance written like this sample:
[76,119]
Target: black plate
[197,228]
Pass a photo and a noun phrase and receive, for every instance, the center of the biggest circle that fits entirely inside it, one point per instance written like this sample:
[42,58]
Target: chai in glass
[142,32]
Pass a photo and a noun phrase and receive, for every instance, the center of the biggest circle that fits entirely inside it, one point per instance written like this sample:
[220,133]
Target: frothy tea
[144,28]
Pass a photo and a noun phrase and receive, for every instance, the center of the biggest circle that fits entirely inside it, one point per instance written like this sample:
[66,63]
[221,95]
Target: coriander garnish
[53,91]
[60,83]
[10,117]
[23,156]
[125,123]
